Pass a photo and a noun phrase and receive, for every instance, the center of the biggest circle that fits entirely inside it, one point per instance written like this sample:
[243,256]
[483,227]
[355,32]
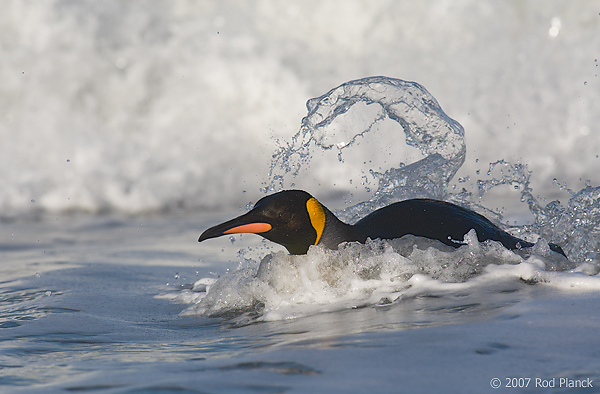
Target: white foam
[284,286]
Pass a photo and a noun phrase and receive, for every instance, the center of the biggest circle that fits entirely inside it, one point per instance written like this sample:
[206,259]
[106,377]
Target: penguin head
[292,218]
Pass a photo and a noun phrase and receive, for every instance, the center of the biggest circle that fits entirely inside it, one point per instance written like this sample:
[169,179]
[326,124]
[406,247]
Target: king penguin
[296,220]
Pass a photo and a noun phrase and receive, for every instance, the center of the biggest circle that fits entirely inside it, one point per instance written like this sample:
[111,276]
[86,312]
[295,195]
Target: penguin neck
[336,232]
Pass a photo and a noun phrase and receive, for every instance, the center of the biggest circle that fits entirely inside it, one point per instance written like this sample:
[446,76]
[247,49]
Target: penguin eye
[285,216]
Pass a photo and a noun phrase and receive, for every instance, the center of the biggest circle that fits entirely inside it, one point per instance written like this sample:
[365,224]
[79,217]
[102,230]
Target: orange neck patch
[317,217]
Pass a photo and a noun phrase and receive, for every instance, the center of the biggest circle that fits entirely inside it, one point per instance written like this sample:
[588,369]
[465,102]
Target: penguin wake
[378,273]
[326,273]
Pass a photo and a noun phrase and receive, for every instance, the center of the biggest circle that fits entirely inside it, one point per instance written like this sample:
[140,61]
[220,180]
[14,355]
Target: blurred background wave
[145,106]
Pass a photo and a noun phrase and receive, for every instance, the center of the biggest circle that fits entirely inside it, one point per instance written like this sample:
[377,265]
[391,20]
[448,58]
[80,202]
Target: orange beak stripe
[249,228]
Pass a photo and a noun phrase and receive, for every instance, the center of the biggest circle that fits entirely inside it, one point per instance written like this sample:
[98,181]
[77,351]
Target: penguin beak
[239,225]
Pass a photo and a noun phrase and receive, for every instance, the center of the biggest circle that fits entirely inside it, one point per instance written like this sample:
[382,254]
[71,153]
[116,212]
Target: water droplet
[121,63]
[555,27]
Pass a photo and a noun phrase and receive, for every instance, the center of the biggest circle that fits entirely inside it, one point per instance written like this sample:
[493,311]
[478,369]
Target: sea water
[108,185]
[114,304]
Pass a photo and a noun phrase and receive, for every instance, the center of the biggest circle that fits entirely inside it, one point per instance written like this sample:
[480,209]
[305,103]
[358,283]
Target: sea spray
[575,226]
[423,125]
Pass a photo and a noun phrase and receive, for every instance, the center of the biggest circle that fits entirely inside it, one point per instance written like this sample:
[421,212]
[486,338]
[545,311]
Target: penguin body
[446,222]
[296,220]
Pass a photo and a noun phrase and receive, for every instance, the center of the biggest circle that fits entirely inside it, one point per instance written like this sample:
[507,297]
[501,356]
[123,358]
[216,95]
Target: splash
[576,226]
[423,123]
